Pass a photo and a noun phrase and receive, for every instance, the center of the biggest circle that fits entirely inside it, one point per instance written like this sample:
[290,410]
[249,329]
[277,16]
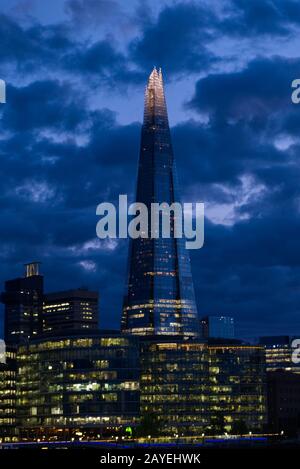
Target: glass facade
[94,385]
[8,424]
[174,387]
[190,388]
[86,383]
[218,327]
[237,388]
[160,293]
[279,352]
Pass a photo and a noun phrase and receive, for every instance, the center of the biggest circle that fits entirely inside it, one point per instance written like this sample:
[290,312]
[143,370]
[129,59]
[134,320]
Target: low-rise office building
[284,402]
[97,384]
[174,386]
[279,353]
[191,388]
[237,388]
[75,385]
[8,423]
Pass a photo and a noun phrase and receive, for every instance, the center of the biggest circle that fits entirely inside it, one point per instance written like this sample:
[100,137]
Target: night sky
[70,131]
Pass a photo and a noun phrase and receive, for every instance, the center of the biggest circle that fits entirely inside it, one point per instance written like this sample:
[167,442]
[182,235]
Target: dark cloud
[31,48]
[60,157]
[101,63]
[50,188]
[176,40]
[256,17]
[55,48]
[43,104]
[263,87]
[252,271]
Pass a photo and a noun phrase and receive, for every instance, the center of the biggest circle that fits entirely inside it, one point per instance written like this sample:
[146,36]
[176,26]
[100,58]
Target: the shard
[159,297]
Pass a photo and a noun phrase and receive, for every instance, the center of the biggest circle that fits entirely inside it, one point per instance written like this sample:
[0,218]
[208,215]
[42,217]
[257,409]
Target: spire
[155,79]
[155,104]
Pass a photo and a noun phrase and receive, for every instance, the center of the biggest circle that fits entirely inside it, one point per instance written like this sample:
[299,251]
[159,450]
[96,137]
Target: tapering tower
[160,293]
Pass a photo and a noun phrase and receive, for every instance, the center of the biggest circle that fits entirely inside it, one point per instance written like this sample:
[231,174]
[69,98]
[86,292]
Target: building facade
[85,384]
[237,388]
[174,386]
[279,353]
[23,300]
[70,310]
[8,376]
[192,388]
[217,327]
[284,402]
[159,296]
[96,384]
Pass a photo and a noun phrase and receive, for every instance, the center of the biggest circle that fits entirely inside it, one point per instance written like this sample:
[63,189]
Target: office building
[174,386]
[78,385]
[217,327]
[70,310]
[23,300]
[8,422]
[279,352]
[284,402]
[189,388]
[237,388]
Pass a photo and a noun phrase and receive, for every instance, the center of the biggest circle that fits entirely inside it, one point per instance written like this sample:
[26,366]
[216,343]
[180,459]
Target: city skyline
[149,248]
[78,77]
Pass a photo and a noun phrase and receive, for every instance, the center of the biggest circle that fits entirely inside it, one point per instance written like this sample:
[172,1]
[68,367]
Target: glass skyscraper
[160,294]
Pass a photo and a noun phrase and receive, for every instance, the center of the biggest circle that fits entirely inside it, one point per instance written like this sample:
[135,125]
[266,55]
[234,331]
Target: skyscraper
[160,293]
[23,299]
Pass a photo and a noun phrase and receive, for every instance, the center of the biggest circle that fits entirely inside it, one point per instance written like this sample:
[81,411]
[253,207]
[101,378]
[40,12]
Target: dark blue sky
[76,71]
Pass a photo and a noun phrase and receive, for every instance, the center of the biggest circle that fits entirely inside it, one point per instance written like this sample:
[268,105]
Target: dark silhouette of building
[284,402]
[160,293]
[23,300]
[217,327]
[70,310]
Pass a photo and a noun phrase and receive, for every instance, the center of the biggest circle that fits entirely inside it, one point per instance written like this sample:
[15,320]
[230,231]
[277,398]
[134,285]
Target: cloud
[32,48]
[43,104]
[63,151]
[93,12]
[56,51]
[262,88]
[268,17]
[176,40]
[101,63]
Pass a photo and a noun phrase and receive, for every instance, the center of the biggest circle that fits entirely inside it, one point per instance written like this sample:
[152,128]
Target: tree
[150,425]
[218,424]
[239,427]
